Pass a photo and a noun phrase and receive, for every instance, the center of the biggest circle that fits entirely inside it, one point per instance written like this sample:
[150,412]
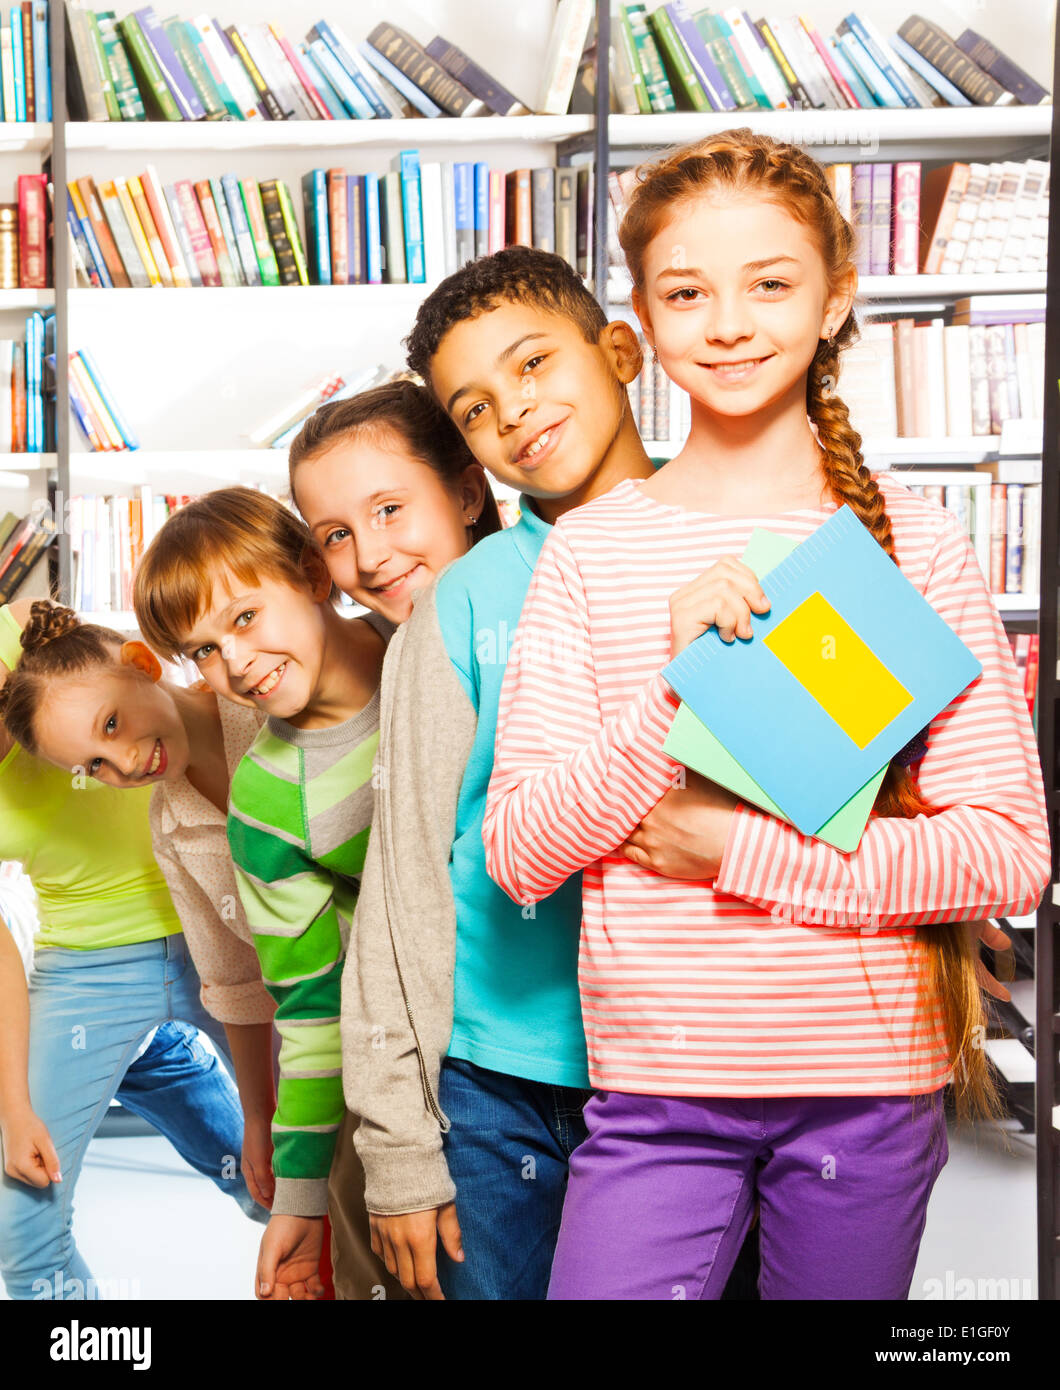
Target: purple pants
[662,1193]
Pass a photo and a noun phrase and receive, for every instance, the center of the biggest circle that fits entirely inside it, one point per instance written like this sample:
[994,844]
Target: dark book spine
[270,202]
[1001,68]
[265,94]
[419,67]
[478,82]
[942,53]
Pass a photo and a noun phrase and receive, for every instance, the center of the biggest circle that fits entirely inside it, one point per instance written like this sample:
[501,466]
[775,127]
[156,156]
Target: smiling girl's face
[386,522]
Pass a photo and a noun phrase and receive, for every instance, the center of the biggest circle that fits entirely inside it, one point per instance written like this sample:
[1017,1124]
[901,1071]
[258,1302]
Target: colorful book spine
[184,94]
[464,199]
[270,271]
[156,201]
[880,234]
[408,89]
[32,230]
[479,82]
[373,237]
[351,96]
[281,244]
[150,231]
[683,77]
[290,226]
[338,230]
[95,254]
[152,82]
[905,212]
[874,44]
[234,83]
[41,61]
[201,246]
[400,49]
[659,91]
[323,88]
[482,209]
[233,197]
[323,31]
[407,164]
[214,230]
[266,97]
[315,207]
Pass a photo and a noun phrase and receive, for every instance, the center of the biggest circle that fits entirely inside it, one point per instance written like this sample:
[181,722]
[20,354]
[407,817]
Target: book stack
[143,68]
[24,246]
[108,536]
[415,224]
[22,543]
[662,410]
[25,63]
[1003,522]
[22,424]
[93,407]
[680,58]
[932,379]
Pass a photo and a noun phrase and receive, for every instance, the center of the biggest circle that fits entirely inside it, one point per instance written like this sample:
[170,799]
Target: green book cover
[757,90]
[259,232]
[130,103]
[231,105]
[692,743]
[102,66]
[198,73]
[720,49]
[651,64]
[149,74]
[682,77]
[620,22]
[290,223]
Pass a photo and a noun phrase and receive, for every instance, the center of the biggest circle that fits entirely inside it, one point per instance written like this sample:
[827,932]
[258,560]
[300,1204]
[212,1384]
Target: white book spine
[958,380]
[449,217]
[233,72]
[569,32]
[934,385]
[1030,578]
[431,205]
[768,76]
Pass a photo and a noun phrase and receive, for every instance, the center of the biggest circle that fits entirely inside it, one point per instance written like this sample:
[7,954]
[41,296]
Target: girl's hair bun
[46,623]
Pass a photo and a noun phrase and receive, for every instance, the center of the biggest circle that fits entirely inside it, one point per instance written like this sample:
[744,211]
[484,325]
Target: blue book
[354,229]
[412,94]
[34,394]
[108,400]
[322,86]
[719,94]
[931,75]
[348,92]
[177,80]
[870,71]
[407,164]
[18,64]
[860,89]
[464,201]
[317,240]
[87,244]
[42,77]
[373,233]
[248,258]
[481,219]
[836,679]
[324,31]
[861,31]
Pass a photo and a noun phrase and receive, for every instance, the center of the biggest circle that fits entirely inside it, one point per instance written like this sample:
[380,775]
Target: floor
[179,1238]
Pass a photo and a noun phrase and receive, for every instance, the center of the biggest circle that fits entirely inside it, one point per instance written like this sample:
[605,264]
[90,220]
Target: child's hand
[256,1161]
[684,835]
[289,1259]
[29,1154]
[992,936]
[723,596]
[407,1245]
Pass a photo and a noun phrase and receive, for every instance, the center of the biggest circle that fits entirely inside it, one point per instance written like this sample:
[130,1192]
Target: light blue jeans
[89,1014]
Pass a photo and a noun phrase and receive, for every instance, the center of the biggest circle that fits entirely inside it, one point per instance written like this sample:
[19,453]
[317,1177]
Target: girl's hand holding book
[684,835]
[723,596]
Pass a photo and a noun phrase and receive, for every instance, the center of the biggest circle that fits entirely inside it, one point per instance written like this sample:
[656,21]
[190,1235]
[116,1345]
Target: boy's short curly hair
[516,275]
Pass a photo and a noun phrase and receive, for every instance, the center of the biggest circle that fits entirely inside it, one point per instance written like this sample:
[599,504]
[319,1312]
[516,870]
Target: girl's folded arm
[568,786]
[985,853]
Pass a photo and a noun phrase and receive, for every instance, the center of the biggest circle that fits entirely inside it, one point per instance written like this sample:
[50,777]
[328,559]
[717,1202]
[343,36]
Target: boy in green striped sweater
[252,611]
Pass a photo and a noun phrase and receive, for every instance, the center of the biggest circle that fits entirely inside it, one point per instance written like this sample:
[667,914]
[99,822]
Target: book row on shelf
[414,224]
[676,58]
[143,68]
[25,64]
[22,543]
[932,379]
[102,424]
[663,411]
[25,425]
[24,241]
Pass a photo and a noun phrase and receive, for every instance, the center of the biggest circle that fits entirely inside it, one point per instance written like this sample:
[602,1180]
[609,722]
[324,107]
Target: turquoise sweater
[516,1005]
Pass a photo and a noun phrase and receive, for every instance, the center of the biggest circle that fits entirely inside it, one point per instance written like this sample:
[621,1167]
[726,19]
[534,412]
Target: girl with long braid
[745,1050]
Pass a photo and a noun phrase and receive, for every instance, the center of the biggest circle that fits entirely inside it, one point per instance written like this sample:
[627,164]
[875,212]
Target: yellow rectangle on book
[839,670]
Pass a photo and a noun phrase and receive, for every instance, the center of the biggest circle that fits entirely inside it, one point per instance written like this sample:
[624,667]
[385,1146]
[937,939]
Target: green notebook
[691,742]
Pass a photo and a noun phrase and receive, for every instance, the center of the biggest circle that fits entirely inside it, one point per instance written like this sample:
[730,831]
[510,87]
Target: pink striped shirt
[796,971]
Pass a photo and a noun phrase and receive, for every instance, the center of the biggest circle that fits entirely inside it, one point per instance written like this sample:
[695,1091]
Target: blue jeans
[89,1012]
[508,1149]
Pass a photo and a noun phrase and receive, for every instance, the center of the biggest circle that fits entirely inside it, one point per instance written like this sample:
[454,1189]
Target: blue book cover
[464,203]
[323,30]
[317,238]
[931,75]
[18,64]
[397,79]
[42,77]
[351,96]
[865,99]
[836,679]
[857,27]
[717,89]
[34,373]
[373,237]
[322,86]
[241,229]
[482,209]
[108,400]
[87,244]
[407,164]
[861,60]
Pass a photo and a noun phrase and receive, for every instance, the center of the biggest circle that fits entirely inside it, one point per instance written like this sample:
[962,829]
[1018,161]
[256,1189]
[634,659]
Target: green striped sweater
[298,822]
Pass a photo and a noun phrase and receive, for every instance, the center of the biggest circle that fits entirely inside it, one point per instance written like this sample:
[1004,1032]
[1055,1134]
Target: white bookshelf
[25,137]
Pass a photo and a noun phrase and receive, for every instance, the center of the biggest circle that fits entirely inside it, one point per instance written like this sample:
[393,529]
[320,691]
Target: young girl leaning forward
[735,1045]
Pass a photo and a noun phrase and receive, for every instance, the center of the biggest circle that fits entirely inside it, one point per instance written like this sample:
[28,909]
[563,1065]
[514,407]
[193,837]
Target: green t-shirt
[86,848]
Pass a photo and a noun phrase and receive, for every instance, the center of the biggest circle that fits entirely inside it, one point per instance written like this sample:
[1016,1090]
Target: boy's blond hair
[236,529]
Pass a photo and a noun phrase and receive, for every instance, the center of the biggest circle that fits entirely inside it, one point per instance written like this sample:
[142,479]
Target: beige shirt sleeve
[210,912]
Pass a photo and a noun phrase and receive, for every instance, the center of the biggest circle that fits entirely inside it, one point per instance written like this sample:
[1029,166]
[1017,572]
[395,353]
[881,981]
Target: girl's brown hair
[55,643]
[408,410]
[740,162]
